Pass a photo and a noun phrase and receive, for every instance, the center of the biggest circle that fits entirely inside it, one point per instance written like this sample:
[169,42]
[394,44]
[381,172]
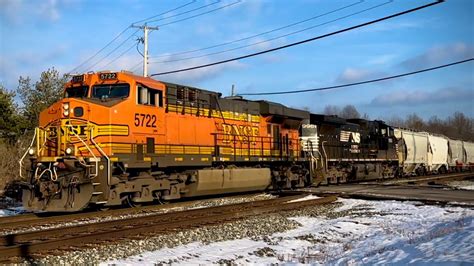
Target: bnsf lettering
[77,130]
[242,133]
[80,130]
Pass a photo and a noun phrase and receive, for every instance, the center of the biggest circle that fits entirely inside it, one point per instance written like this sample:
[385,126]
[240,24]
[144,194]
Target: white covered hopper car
[469,149]
[422,152]
[437,154]
[413,151]
[456,155]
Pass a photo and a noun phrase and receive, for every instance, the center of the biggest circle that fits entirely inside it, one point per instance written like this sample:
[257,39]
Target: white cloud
[192,75]
[17,11]
[393,26]
[417,97]
[28,63]
[382,59]
[259,44]
[205,29]
[439,55]
[49,10]
[357,74]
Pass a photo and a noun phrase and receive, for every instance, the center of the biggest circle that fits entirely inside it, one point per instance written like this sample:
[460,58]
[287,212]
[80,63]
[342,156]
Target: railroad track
[50,241]
[427,179]
[29,220]
[18,219]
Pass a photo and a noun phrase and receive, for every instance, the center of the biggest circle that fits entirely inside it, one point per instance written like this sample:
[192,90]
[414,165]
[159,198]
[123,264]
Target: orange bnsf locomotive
[119,138]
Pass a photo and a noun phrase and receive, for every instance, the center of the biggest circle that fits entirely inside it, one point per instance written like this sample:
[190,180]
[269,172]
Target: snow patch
[11,211]
[309,197]
[465,184]
[359,232]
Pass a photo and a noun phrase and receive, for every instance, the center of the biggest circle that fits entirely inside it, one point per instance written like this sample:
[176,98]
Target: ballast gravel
[194,205]
[256,228]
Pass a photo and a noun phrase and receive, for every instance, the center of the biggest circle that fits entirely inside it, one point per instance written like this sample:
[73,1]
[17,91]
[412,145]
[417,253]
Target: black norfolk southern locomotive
[352,149]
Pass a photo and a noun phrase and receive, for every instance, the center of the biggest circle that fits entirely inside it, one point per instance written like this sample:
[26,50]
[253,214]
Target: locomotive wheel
[127,201]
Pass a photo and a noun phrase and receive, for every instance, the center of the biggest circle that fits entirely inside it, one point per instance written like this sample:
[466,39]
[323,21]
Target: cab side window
[147,96]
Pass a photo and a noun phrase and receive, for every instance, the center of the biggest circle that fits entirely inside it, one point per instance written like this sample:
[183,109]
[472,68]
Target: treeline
[20,117]
[19,112]
[456,126]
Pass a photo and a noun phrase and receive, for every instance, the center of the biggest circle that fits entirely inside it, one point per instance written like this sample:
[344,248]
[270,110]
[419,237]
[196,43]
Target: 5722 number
[145,120]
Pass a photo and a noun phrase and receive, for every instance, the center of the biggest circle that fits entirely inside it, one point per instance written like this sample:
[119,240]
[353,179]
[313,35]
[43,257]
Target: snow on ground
[464,184]
[358,232]
[11,211]
[309,197]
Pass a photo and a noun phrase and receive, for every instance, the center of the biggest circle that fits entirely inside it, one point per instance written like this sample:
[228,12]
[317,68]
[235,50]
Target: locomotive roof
[331,119]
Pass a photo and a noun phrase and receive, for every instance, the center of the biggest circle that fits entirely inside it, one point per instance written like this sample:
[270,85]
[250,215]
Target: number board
[105,76]
[77,79]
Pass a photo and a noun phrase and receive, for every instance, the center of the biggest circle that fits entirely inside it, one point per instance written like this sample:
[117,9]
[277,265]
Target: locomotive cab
[74,141]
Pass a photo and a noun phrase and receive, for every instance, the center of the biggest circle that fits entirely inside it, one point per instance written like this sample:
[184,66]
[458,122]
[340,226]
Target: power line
[122,32]
[197,15]
[304,41]
[363,82]
[201,14]
[122,54]
[259,34]
[138,50]
[137,65]
[274,38]
[185,12]
[102,49]
[166,12]
[172,22]
[115,49]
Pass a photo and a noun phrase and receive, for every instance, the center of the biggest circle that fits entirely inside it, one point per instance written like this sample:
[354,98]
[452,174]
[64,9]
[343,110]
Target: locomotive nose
[71,108]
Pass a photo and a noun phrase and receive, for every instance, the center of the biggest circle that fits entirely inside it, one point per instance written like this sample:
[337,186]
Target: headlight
[69,150]
[31,151]
[78,111]
[66,112]
[66,106]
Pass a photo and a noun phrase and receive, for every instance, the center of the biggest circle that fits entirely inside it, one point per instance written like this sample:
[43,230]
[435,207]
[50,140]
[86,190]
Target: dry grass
[10,154]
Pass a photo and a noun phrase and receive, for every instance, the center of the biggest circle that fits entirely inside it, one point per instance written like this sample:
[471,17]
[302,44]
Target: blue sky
[37,35]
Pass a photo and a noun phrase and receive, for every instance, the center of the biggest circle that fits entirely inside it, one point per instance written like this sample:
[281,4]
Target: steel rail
[161,224]
[31,220]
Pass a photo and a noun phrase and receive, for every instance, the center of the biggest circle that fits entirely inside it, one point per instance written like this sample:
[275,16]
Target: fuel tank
[230,180]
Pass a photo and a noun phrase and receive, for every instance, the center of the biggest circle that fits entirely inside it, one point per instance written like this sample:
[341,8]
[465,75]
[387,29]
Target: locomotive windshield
[106,91]
[76,92]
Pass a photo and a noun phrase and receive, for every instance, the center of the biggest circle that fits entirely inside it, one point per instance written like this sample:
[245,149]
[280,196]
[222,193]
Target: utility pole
[145,29]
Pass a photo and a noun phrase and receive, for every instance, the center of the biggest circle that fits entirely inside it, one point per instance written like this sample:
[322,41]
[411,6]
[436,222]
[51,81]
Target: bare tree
[331,110]
[413,121]
[349,111]
[460,126]
[396,121]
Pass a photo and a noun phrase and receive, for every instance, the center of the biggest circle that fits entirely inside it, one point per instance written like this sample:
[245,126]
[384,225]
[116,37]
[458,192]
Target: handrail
[44,143]
[106,157]
[90,151]
[26,152]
